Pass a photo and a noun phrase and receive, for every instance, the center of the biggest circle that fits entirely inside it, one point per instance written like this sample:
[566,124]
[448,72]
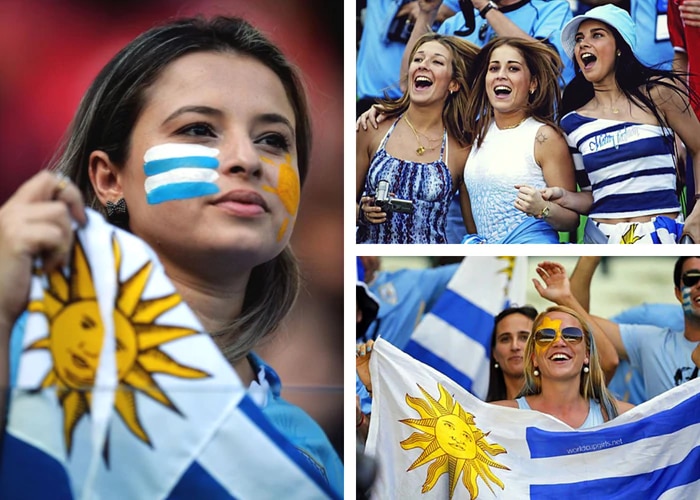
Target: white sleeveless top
[505,158]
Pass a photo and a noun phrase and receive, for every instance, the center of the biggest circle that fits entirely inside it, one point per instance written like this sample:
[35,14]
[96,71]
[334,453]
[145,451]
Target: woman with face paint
[563,376]
[421,152]
[621,118]
[196,138]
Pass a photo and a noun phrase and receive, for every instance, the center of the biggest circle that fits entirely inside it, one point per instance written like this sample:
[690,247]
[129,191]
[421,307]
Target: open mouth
[502,90]
[422,82]
[587,59]
[560,356]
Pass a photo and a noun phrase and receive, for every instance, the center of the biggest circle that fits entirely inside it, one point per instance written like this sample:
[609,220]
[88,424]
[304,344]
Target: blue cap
[609,14]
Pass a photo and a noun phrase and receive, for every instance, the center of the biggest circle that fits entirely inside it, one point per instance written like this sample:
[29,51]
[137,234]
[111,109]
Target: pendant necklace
[420,149]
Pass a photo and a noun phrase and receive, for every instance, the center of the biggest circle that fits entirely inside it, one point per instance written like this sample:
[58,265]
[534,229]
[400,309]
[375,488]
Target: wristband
[487,8]
[362,421]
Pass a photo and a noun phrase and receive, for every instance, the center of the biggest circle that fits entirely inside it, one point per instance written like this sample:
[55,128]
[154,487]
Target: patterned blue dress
[428,185]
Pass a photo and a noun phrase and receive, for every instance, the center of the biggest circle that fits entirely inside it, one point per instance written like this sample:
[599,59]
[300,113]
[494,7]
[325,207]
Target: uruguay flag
[116,392]
[455,336]
[434,440]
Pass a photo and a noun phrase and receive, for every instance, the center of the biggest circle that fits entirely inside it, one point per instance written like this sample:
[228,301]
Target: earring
[496,366]
[586,369]
[536,372]
[117,213]
[452,91]
[532,91]
[618,53]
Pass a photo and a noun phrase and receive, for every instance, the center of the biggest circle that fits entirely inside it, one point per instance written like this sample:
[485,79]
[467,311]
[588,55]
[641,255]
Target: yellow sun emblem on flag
[629,238]
[288,189]
[75,340]
[449,438]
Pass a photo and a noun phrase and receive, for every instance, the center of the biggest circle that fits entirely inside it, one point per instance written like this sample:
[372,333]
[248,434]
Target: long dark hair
[497,382]
[110,108]
[634,79]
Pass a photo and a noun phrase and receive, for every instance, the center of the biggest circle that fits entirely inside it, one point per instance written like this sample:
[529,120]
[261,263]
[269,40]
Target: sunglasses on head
[691,278]
[571,334]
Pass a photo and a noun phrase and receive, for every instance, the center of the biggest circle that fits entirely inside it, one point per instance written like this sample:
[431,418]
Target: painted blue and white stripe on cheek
[179,171]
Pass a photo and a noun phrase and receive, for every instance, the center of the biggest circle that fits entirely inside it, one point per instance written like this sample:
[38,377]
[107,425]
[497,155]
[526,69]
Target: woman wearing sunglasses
[563,376]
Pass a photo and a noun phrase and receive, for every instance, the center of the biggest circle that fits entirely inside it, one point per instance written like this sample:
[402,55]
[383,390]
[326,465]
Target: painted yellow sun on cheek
[547,322]
[288,189]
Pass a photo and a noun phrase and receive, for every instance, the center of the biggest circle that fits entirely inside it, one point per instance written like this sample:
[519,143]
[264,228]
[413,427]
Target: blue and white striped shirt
[629,167]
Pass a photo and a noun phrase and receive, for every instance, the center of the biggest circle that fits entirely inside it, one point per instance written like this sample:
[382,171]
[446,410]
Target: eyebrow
[208,110]
[434,54]
[203,110]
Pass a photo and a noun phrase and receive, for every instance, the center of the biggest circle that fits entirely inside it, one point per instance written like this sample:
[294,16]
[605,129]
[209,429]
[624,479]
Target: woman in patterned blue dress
[422,151]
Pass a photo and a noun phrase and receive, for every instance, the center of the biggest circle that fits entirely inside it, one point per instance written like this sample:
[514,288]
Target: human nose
[241,157]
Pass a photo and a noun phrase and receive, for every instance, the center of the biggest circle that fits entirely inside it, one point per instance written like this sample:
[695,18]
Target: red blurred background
[50,50]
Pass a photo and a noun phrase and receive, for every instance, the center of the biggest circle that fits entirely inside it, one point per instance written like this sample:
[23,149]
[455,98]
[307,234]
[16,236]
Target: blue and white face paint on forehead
[179,171]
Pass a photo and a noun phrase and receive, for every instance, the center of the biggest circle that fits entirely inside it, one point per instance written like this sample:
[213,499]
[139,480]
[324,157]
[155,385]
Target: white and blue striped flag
[117,393]
[434,440]
[455,336]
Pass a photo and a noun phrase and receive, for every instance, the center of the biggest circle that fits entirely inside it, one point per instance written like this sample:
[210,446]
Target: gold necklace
[512,126]
[420,149]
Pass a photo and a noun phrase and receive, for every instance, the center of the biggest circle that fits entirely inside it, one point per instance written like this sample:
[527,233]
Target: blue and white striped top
[628,166]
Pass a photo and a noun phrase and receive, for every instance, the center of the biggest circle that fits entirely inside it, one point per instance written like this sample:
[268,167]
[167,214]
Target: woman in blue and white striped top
[621,119]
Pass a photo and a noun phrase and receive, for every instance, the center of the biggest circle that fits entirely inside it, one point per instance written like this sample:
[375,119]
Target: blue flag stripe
[154,167]
[430,358]
[647,485]
[465,316]
[196,482]
[181,190]
[545,444]
[251,411]
[34,473]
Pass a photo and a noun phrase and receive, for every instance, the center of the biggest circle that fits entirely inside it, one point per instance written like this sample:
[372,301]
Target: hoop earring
[117,213]
[536,372]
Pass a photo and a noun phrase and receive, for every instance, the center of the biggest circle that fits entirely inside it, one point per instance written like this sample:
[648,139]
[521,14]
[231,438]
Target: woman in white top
[518,149]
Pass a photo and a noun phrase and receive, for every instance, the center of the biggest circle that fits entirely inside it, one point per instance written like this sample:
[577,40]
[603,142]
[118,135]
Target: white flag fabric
[434,440]
[454,337]
[119,393]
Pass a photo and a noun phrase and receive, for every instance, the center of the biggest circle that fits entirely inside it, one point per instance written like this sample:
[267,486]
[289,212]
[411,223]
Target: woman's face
[511,337]
[508,80]
[430,73]
[561,358]
[223,122]
[595,50]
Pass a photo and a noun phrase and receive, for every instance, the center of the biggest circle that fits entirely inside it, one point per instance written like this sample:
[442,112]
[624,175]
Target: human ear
[105,178]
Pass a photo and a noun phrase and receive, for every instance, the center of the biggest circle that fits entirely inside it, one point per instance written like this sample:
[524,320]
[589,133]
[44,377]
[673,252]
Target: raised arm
[557,289]
[34,222]
[581,279]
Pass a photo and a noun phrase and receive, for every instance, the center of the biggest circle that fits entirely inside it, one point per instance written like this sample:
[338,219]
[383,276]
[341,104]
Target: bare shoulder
[623,406]
[370,139]
[509,403]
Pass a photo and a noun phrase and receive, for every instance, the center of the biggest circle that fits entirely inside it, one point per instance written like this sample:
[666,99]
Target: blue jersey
[541,19]
[379,59]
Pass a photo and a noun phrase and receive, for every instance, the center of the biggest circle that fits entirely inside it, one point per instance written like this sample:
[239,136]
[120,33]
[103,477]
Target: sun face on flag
[449,437]
[288,189]
[75,339]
